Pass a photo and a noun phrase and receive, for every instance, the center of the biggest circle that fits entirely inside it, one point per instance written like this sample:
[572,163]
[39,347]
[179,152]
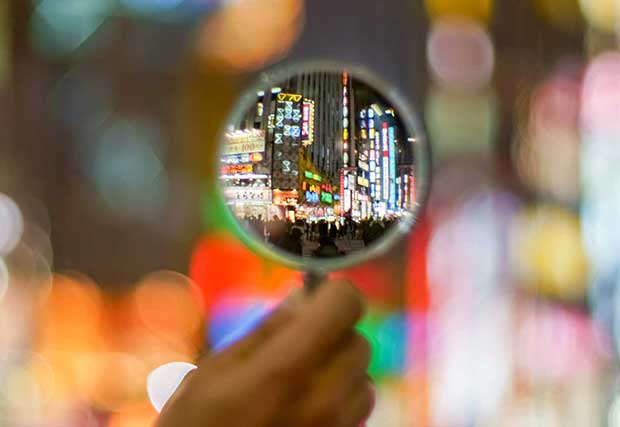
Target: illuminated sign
[248,195]
[345,117]
[363,181]
[363,166]
[312,197]
[392,164]
[385,163]
[342,173]
[285,198]
[244,143]
[289,97]
[307,122]
[287,140]
[327,198]
[313,176]
[237,169]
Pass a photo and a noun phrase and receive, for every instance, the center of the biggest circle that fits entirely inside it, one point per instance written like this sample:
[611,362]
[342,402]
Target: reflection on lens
[320,165]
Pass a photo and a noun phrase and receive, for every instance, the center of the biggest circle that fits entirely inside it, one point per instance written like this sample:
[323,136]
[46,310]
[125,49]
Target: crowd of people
[291,236]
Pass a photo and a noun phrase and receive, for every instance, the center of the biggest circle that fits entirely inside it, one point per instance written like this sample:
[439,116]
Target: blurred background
[502,309]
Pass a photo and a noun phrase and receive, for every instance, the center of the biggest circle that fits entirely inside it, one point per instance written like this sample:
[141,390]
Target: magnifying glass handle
[312,280]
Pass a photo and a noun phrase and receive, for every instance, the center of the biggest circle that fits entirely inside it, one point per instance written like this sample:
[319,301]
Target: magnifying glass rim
[422,171]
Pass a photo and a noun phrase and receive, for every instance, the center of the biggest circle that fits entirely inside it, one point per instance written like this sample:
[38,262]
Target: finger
[280,317]
[341,377]
[359,407]
[325,320]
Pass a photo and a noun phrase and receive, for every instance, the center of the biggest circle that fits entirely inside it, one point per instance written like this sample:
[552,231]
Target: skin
[305,366]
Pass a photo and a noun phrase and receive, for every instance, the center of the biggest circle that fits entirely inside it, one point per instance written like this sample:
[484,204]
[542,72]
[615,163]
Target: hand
[305,366]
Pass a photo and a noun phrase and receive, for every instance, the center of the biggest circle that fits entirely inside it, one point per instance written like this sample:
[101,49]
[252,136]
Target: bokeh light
[461,124]
[164,381]
[564,14]
[125,164]
[81,100]
[548,152]
[600,110]
[167,304]
[11,224]
[481,10]
[4,279]
[460,54]
[549,252]
[602,14]
[59,27]
[248,34]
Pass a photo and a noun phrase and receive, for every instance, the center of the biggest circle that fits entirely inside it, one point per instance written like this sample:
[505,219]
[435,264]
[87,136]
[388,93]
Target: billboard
[244,142]
[287,141]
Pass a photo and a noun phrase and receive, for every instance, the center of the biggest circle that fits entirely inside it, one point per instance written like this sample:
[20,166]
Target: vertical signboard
[345,119]
[287,141]
[392,165]
[385,163]
[307,122]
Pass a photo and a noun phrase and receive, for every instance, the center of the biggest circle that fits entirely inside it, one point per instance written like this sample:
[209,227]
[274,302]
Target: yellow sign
[289,97]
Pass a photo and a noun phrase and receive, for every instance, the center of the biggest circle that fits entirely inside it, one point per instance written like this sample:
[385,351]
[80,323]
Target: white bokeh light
[164,381]
[11,224]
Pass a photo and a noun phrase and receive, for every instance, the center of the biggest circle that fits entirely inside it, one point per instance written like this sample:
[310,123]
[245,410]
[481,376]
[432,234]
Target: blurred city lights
[4,279]
[167,304]
[549,252]
[248,34]
[600,109]
[81,100]
[563,14]
[460,54]
[614,413]
[548,153]
[602,14]
[151,6]
[11,224]
[481,10]
[126,167]
[59,27]
[232,319]
[164,381]
[461,124]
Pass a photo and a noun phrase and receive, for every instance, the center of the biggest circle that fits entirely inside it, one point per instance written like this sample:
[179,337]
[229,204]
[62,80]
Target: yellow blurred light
[248,34]
[549,252]
[602,14]
[168,306]
[560,13]
[480,10]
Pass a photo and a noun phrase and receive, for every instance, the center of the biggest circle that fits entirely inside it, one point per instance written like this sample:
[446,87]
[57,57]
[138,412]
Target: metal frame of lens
[422,171]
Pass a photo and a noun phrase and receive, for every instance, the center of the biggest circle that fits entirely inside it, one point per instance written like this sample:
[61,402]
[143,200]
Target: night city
[321,165]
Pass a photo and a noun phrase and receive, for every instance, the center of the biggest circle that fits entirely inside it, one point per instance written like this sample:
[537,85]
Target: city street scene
[320,166]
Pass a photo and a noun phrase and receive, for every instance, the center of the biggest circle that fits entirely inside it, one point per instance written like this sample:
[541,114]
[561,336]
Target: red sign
[237,169]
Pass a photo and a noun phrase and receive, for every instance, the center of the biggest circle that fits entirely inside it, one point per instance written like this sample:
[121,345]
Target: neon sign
[237,169]
[313,176]
[327,198]
[287,139]
[392,164]
[307,123]
[345,118]
[385,163]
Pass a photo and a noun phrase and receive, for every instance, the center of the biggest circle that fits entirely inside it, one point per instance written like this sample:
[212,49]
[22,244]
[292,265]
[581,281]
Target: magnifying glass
[322,166]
